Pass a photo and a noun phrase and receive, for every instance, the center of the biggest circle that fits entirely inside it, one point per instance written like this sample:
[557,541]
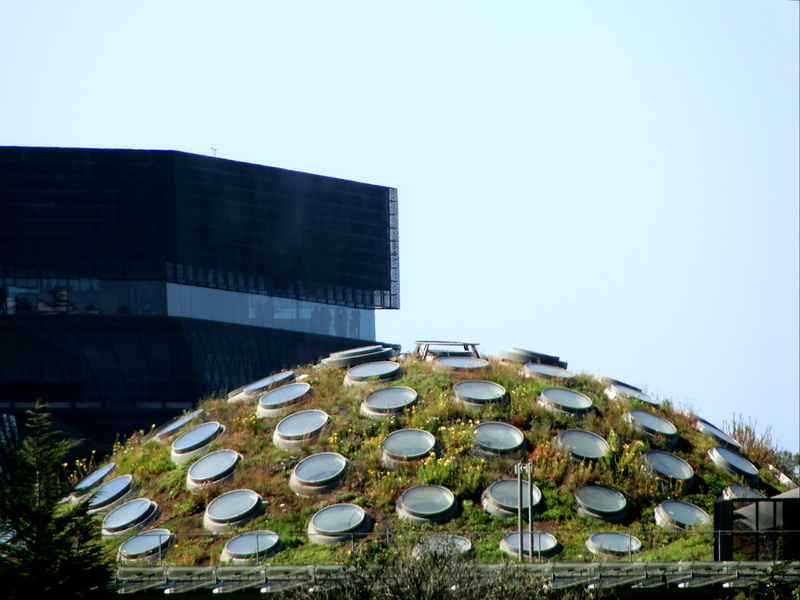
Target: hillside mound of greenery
[266,469]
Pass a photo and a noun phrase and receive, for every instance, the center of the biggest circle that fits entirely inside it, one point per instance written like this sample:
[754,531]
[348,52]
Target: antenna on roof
[214,150]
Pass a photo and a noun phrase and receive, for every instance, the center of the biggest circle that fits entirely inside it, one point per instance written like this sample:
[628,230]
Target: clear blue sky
[612,182]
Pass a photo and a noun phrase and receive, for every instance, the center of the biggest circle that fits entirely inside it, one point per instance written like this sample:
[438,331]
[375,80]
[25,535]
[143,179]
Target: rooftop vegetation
[266,469]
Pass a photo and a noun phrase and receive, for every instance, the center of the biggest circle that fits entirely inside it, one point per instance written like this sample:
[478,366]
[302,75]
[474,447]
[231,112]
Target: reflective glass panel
[128,515]
[214,466]
[600,499]
[535,369]
[462,362]
[669,465]
[427,500]
[320,468]
[302,424]
[110,491]
[93,478]
[717,433]
[197,437]
[616,543]
[479,391]
[584,444]
[391,398]
[684,513]
[737,461]
[566,399]
[356,351]
[144,543]
[498,436]
[505,493]
[741,491]
[381,370]
[176,424]
[651,422]
[252,543]
[234,505]
[263,384]
[287,394]
[338,518]
[542,542]
[409,443]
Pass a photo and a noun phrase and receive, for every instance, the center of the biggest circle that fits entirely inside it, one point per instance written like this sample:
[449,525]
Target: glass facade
[140,281]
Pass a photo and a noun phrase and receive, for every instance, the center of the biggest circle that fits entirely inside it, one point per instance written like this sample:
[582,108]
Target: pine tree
[52,551]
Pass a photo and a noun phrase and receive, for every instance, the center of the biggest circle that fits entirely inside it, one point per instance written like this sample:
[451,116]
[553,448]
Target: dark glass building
[133,282]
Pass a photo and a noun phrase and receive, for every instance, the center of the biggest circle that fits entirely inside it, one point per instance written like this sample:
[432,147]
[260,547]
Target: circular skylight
[501,499]
[717,434]
[300,428]
[233,508]
[358,356]
[407,445]
[737,491]
[583,444]
[545,371]
[527,356]
[476,393]
[734,463]
[109,494]
[152,544]
[165,431]
[566,401]
[426,504]
[622,391]
[281,399]
[387,401]
[652,425]
[613,544]
[601,502]
[318,473]
[91,481]
[195,441]
[373,371]
[338,523]
[670,467]
[494,437]
[251,547]
[132,515]
[259,387]
[462,363]
[443,544]
[674,514]
[543,544]
[215,466]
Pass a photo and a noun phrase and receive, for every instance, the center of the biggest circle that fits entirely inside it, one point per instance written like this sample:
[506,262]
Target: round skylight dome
[501,499]
[669,467]
[146,547]
[613,544]
[675,514]
[583,445]
[545,371]
[478,393]
[494,438]
[737,491]
[601,502]
[280,400]
[195,441]
[653,425]
[734,463]
[717,434]
[232,509]
[388,401]
[319,474]
[373,372]
[111,494]
[163,433]
[621,391]
[527,356]
[250,548]
[565,401]
[338,523]
[543,544]
[212,468]
[131,516]
[443,544]
[257,388]
[358,356]
[406,445]
[91,481]
[427,504]
[300,429]
[462,363]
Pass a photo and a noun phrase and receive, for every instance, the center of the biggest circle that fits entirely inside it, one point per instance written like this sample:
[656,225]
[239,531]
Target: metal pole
[529,469]
[518,469]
